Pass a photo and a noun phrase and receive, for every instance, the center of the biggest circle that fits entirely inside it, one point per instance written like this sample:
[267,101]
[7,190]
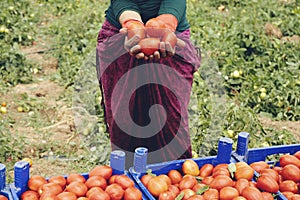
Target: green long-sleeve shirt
[149,9]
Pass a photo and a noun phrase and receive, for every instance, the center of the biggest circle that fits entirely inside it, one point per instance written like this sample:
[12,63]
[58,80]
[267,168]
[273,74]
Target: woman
[145,97]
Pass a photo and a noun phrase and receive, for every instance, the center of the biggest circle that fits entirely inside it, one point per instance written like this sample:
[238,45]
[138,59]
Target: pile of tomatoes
[234,181]
[101,184]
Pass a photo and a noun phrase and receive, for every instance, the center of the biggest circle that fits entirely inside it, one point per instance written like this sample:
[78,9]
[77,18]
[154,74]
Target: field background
[249,79]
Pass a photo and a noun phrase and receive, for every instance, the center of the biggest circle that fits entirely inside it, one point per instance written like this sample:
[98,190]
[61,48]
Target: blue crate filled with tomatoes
[276,168]
[102,182]
[225,176]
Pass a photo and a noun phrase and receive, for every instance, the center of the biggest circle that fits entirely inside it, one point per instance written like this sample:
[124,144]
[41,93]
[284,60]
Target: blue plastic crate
[140,167]
[251,155]
[4,188]
[117,162]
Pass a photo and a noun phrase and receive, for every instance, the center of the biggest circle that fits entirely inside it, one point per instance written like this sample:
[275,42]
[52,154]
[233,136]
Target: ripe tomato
[297,154]
[222,165]
[190,167]
[96,181]
[243,170]
[267,183]
[239,198]
[101,170]
[66,196]
[259,165]
[288,186]
[196,197]
[207,180]
[228,193]
[83,198]
[167,195]
[206,170]
[187,193]
[290,172]
[35,182]
[145,179]
[166,178]
[52,188]
[241,184]
[29,194]
[75,177]
[267,196]
[78,188]
[211,194]
[157,185]
[124,181]
[112,179]
[221,181]
[289,159]
[188,181]
[252,193]
[136,28]
[174,189]
[115,191]
[198,186]
[221,171]
[271,172]
[48,196]
[93,189]
[155,28]
[59,180]
[149,45]
[296,197]
[288,195]
[175,176]
[133,193]
[99,195]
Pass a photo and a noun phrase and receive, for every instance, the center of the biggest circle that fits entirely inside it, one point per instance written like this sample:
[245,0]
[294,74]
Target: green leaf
[232,169]
[201,190]
[180,196]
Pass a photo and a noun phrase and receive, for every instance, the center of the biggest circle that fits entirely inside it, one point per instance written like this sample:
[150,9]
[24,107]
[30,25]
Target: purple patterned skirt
[146,102]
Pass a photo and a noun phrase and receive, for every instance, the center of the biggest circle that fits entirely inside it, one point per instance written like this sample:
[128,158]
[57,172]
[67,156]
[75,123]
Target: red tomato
[101,170]
[96,181]
[167,195]
[206,170]
[207,180]
[198,186]
[297,154]
[94,189]
[243,170]
[239,198]
[296,197]
[112,179]
[211,194]
[145,179]
[136,28]
[2,197]
[175,176]
[241,184]
[221,181]
[288,195]
[124,181]
[271,172]
[196,197]
[29,194]
[290,172]
[59,180]
[228,193]
[174,189]
[190,167]
[267,196]
[288,186]
[66,196]
[157,185]
[75,177]
[78,188]
[155,27]
[53,188]
[101,195]
[133,193]
[149,45]
[289,159]
[267,183]
[166,179]
[187,193]
[221,171]
[259,165]
[48,196]
[187,182]
[115,191]
[252,193]
[35,182]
